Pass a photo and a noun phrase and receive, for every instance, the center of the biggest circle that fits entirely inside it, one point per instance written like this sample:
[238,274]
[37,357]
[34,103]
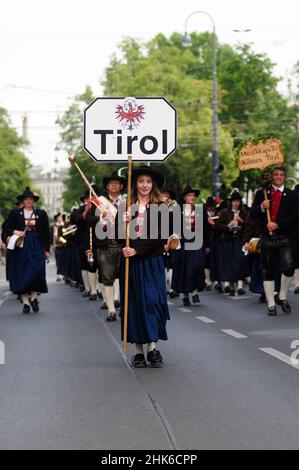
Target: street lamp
[186,42]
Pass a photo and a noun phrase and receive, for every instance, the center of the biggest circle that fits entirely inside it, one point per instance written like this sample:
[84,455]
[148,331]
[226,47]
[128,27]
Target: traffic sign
[144,128]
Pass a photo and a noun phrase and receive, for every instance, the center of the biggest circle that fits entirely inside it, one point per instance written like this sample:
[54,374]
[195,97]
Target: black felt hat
[188,189]
[28,193]
[172,194]
[149,171]
[87,192]
[113,177]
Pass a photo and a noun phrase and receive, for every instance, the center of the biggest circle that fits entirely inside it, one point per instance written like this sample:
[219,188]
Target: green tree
[13,165]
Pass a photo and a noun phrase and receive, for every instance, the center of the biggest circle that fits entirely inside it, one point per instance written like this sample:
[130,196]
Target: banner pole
[127,261]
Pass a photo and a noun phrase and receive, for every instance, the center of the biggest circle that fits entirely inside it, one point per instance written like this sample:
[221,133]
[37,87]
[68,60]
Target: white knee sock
[33,296]
[109,298]
[116,289]
[285,285]
[92,281]
[240,285]
[269,291]
[208,277]
[25,299]
[151,347]
[139,348]
[195,292]
[297,278]
[84,275]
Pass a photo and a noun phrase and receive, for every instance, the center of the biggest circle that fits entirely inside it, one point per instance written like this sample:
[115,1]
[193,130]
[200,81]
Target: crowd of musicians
[254,249]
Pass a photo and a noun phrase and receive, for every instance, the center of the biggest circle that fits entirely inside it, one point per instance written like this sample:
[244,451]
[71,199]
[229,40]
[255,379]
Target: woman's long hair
[155,196]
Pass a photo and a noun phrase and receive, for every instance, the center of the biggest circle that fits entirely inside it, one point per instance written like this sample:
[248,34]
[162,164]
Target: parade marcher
[87,246]
[147,308]
[108,250]
[29,230]
[296,245]
[57,245]
[188,273]
[232,261]
[170,199]
[212,255]
[277,237]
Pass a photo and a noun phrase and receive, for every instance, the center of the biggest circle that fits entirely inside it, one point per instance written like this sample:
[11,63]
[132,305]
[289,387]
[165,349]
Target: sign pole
[127,261]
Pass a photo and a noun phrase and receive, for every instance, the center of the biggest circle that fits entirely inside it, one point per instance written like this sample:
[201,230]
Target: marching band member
[108,250]
[232,262]
[188,272]
[169,197]
[296,245]
[27,271]
[87,248]
[277,237]
[210,261]
[148,308]
[57,245]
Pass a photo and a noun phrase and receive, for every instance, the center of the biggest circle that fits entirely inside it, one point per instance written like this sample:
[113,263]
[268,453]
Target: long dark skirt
[27,266]
[233,263]
[214,260]
[148,308]
[188,271]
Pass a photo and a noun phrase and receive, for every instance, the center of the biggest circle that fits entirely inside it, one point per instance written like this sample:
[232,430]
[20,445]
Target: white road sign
[145,128]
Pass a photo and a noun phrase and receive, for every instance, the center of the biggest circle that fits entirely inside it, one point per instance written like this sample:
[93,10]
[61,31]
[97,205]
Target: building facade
[50,184]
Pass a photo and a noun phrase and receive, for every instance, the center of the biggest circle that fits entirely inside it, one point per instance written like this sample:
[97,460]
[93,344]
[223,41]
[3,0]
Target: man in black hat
[232,263]
[28,228]
[108,251]
[277,236]
[296,244]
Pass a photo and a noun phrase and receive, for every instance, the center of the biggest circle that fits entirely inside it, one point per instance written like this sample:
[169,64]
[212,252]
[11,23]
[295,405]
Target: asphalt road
[228,382]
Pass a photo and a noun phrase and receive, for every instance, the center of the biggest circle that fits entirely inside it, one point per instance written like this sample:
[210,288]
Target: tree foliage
[249,105]
[13,165]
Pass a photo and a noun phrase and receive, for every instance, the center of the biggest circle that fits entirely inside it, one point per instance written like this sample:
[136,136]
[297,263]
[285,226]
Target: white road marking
[184,310]
[205,320]
[170,303]
[278,355]
[1,303]
[240,297]
[234,334]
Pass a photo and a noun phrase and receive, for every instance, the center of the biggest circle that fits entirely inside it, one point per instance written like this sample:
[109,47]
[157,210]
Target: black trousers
[108,258]
[277,253]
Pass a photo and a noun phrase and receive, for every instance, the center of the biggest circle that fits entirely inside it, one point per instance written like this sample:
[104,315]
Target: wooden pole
[267,210]
[127,262]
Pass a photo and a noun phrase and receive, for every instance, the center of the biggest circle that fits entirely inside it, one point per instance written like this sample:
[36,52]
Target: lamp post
[215,154]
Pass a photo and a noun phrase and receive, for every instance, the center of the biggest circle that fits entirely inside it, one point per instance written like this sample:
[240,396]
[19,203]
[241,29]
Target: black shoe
[100,295]
[262,299]
[186,302]
[296,291]
[220,290]
[173,294]
[104,306]
[195,299]
[154,358]
[85,294]
[241,292]
[93,297]
[272,311]
[81,288]
[138,361]
[26,309]
[232,293]
[111,317]
[35,306]
[286,307]
[227,290]
[116,303]
[284,304]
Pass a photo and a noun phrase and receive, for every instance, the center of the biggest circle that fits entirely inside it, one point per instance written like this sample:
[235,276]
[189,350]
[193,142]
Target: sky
[51,50]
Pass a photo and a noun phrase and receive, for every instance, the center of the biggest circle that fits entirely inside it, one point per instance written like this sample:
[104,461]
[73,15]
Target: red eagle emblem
[130,114]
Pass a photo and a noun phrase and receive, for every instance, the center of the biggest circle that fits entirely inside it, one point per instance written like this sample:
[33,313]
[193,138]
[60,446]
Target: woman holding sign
[147,307]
